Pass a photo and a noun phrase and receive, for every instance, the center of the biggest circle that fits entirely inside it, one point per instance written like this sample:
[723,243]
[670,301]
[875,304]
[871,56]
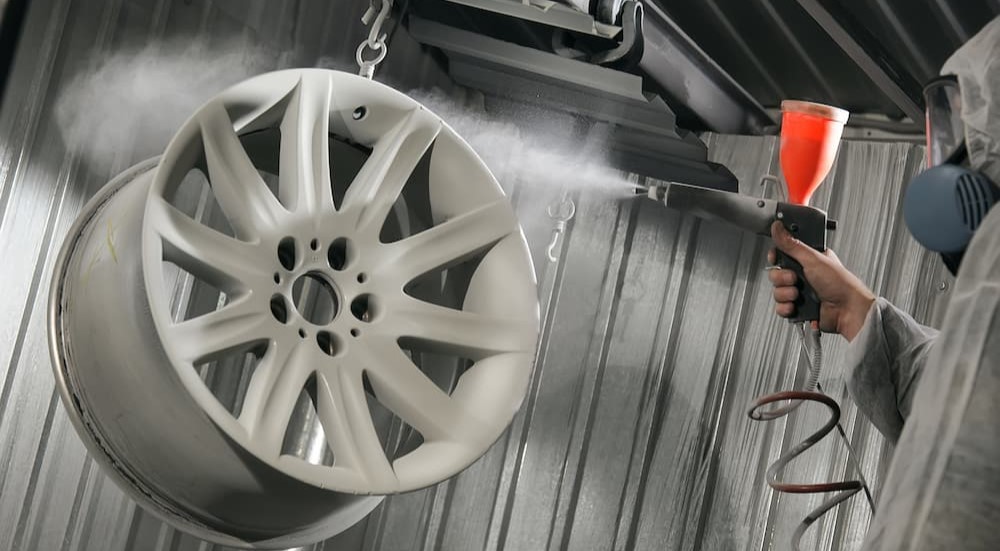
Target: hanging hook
[764,181]
[561,212]
[376,40]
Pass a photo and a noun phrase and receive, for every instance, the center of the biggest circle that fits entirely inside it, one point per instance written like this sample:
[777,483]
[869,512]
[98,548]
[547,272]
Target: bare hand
[844,300]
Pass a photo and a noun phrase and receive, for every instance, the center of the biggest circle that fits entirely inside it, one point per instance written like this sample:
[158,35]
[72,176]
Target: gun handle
[807,305]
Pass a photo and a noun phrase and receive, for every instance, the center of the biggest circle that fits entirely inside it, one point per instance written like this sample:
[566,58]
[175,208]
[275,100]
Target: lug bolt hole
[286,253]
[314,244]
[302,333]
[363,308]
[360,113]
[362,277]
[355,332]
[279,308]
[329,343]
[340,254]
[277,277]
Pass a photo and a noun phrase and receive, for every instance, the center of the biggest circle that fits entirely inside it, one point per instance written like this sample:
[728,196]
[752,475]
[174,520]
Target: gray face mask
[945,204]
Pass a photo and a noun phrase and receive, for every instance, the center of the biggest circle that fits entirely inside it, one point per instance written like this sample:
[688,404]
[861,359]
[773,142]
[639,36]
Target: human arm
[887,350]
[884,363]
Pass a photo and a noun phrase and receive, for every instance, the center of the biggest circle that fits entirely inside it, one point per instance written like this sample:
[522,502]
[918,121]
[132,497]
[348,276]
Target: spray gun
[810,135]
[808,224]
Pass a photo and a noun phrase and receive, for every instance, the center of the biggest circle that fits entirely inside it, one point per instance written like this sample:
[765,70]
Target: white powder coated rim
[497,326]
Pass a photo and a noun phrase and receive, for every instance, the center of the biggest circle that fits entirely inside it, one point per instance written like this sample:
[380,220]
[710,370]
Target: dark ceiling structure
[721,64]
[869,56]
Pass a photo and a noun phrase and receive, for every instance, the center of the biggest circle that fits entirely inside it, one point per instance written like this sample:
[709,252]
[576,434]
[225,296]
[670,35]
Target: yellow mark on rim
[110,239]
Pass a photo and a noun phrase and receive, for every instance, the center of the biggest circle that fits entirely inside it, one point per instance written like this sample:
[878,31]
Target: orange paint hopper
[810,136]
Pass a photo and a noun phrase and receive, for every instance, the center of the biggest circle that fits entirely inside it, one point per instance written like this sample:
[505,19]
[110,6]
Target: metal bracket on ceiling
[630,49]
[624,56]
[644,38]
[690,77]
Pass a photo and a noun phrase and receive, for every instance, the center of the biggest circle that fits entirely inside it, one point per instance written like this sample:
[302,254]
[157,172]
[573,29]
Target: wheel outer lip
[304,472]
[118,469]
[76,412]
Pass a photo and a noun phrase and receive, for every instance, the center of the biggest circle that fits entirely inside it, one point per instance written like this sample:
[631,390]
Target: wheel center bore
[315,298]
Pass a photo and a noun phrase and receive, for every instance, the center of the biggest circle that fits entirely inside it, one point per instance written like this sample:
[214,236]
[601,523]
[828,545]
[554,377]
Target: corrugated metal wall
[658,333]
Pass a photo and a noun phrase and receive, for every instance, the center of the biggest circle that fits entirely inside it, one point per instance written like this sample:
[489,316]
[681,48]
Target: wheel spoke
[451,241]
[404,389]
[274,391]
[261,383]
[468,334]
[335,418]
[343,411]
[238,187]
[213,334]
[304,175]
[209,255]
[395,156]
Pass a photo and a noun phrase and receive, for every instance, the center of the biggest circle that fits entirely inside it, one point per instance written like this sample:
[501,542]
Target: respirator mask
[945,204]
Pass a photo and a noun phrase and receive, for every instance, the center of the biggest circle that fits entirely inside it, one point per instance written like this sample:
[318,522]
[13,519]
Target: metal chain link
[375,16]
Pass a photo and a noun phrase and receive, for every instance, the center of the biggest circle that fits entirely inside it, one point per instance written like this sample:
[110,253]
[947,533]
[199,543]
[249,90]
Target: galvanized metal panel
[658,332]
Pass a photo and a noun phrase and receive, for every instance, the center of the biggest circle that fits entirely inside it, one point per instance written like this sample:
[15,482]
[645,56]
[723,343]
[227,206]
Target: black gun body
[807,224]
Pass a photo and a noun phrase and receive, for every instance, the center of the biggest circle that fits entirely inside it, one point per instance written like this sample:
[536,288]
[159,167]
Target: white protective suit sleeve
[884,362]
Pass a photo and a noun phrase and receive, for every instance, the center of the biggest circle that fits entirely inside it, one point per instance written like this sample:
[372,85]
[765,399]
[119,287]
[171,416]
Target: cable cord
[812,392]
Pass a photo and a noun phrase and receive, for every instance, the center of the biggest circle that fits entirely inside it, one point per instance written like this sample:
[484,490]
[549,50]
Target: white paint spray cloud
[537,152]
[541,154]
[132,102]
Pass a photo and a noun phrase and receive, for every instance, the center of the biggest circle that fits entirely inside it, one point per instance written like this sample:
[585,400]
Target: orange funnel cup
[810,135]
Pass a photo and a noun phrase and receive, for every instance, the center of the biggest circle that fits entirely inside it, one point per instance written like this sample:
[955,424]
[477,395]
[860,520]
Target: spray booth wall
[658,330]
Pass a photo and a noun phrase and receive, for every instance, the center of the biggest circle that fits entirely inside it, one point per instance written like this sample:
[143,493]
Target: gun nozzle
[656,192]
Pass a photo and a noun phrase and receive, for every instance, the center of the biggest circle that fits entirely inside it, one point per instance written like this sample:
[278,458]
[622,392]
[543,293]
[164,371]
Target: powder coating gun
[810,136]
[808,224]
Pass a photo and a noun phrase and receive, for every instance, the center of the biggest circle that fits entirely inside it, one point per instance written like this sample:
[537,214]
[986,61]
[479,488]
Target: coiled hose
[811,392]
